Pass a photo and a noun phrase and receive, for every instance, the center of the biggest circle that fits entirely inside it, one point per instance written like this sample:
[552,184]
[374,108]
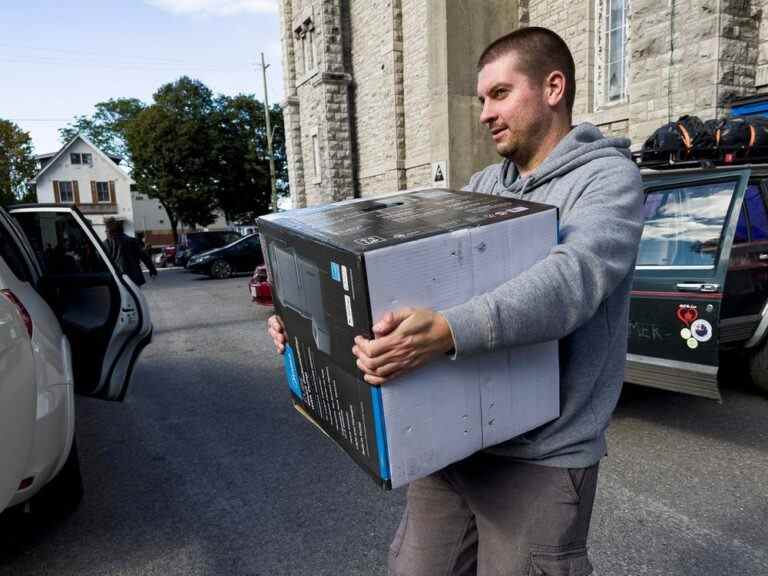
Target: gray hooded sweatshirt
[578,294]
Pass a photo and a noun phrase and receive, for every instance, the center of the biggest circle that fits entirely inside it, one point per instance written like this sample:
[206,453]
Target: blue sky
[58,59]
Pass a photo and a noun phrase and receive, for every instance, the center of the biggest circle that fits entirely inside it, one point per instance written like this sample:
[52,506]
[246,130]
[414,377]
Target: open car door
[674,334]
[104,315]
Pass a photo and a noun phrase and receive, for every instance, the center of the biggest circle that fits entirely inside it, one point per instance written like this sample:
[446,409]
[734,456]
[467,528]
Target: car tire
[758,367]
[61,496]
[221,269]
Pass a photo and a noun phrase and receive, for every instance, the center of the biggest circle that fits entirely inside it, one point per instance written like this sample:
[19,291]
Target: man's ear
[554,88]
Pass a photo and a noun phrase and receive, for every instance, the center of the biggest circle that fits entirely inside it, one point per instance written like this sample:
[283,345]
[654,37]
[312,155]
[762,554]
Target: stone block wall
[686,57]
[416,93]
[317,103]
[377,63]
[760,15]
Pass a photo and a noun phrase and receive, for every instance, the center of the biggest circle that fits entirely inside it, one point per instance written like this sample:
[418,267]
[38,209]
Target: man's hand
[276,329]
[404,340]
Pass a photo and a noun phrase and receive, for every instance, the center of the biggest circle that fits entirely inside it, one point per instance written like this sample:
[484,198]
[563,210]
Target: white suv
[69,322]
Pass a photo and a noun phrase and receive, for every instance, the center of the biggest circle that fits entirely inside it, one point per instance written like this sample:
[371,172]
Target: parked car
[69,322]
[700,289]
[239,256]
[260,287]
[194,243]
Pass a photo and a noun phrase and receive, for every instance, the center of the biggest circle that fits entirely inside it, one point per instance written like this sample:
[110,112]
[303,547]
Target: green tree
[241,150]
[194,152]
[171,143]
[17,164]
[107,127]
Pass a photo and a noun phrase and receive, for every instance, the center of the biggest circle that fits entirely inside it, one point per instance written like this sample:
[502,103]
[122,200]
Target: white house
[81,174]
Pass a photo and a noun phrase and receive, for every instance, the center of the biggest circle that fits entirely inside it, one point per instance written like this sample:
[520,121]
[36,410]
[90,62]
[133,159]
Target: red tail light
[11,297]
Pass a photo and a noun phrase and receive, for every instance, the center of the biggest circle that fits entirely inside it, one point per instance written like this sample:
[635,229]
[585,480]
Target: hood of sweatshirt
[583,144]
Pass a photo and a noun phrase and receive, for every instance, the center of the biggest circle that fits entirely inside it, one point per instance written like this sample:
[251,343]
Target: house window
[84,158]
[102,192]
[612,54]
[66,192]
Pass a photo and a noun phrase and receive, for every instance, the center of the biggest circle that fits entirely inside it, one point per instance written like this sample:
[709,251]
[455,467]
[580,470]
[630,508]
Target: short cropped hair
[540,52]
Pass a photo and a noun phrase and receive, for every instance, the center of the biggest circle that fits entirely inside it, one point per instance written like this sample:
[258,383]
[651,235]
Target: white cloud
[215,7]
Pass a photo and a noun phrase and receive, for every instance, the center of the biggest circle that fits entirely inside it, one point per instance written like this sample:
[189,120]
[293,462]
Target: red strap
[686,137]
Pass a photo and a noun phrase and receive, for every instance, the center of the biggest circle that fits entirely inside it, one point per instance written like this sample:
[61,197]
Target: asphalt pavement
[207,469]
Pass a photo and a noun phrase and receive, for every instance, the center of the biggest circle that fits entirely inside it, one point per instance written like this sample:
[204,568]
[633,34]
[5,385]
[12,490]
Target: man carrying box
[524,506]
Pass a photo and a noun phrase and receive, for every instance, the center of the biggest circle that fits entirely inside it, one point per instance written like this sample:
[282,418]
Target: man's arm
[599,236]
[144,257]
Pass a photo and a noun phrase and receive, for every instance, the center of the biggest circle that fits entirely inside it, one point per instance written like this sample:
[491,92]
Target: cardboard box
[336,269]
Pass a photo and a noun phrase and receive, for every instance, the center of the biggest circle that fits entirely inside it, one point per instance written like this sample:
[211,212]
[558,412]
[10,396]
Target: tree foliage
[243,189]
[107,127]
[17,164]
[170,143]
[193,151]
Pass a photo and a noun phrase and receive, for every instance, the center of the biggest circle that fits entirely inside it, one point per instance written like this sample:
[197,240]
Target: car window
[251,243]
[753,220]
[60,243]
[758,219]
[11,253]
[683,225]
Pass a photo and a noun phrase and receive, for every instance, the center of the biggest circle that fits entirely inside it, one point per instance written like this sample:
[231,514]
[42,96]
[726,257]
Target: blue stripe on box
[381,435]
[294,382]
[335,272]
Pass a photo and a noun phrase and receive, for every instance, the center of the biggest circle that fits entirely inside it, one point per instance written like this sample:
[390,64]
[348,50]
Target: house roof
[67,146]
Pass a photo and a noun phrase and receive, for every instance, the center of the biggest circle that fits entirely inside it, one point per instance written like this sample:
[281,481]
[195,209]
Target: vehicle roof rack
[709,158]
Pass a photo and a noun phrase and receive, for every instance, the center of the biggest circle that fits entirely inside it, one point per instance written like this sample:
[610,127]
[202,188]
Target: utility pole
[264,67]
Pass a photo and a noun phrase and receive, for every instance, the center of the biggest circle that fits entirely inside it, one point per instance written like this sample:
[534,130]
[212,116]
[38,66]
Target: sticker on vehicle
[701,330]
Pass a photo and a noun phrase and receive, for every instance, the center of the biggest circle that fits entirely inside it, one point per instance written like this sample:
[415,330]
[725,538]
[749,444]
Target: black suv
[701,280]
[194,243]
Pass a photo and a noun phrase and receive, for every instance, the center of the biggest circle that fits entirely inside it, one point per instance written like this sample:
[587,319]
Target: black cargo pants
[489,516]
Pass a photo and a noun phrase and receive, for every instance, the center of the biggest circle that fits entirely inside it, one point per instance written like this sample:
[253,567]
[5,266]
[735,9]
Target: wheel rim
[221,269]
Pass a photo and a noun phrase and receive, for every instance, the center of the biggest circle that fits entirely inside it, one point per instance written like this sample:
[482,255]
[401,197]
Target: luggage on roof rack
[690,141]
[685,139]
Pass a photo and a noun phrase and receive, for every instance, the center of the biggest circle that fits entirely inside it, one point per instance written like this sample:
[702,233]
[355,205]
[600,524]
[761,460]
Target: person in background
[128,253]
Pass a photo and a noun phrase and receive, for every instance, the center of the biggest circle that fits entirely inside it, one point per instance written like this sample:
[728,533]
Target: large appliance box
[337,269]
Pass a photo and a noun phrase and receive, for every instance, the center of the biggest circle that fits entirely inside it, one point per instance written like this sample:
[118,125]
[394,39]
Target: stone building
[380,94]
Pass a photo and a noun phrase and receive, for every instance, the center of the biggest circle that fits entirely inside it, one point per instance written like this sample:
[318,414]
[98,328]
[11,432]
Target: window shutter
[76,191]
[94,194]
[112,198]
[56,196]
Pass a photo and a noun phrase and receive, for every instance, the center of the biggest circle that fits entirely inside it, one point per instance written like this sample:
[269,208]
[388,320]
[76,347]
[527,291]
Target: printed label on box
[348,306]
[335,272]
[345,278]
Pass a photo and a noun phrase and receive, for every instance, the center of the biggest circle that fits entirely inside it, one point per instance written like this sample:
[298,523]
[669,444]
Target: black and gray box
[336,269]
